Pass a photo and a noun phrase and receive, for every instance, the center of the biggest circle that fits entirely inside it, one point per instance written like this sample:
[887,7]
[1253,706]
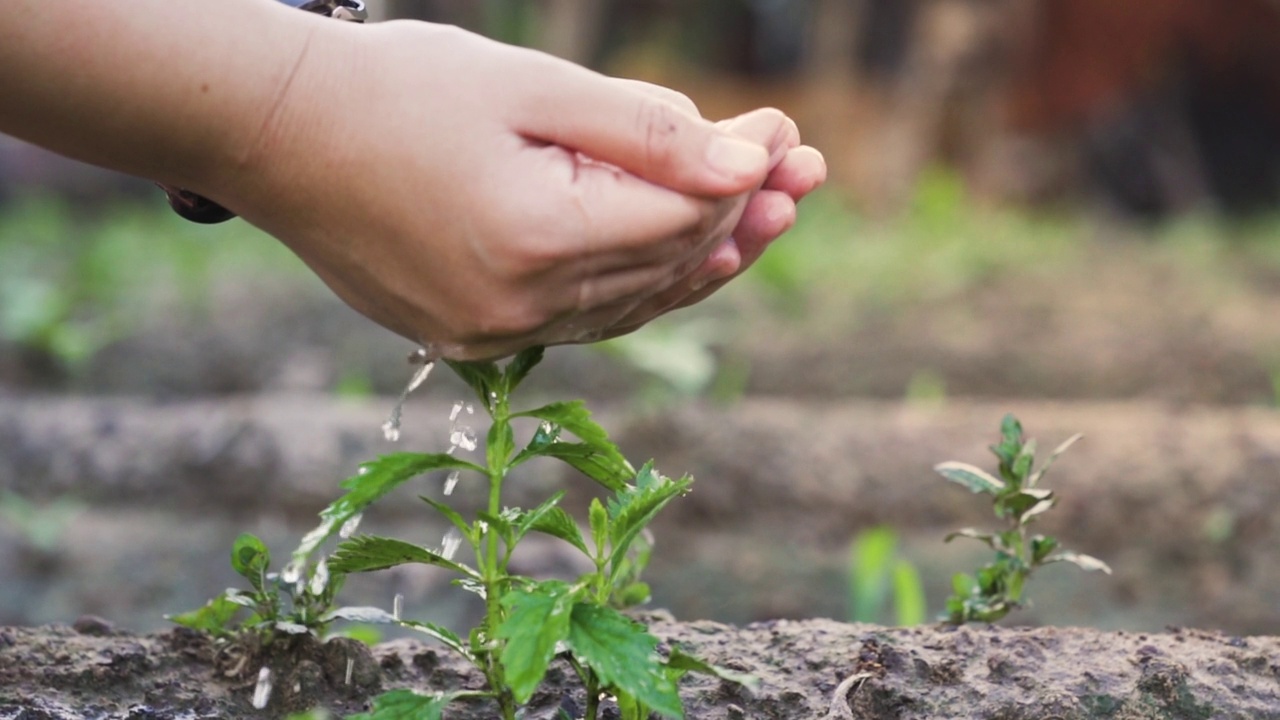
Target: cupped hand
[479,198]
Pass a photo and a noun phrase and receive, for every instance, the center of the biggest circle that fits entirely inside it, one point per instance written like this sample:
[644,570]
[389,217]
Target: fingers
[675,97]
[798,173]
[634,129]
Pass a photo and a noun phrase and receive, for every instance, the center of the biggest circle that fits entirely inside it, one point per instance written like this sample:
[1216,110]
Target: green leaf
[214,618]
[1022,463]
[1017,503]
[610,470]
[609,467]
[366,553]
[546,435]
[520,365]
[1080,560]
[453,515]
[443,634]
[632,509]
[482,377]
[376,479]
[598,517]
[869,561]
[250,559]
[537,620]
[550,519]
[908,594]
[623,656]
[973,478]
[636,593]
[1041,546]
[684,662]
[406,705]
[963,584]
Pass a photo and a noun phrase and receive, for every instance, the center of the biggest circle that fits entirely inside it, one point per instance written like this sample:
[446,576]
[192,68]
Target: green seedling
[875,572]
[527,622]
[274,603]
[999,586]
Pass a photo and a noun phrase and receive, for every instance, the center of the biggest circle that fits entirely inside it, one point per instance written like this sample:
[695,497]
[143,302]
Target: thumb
[615,122]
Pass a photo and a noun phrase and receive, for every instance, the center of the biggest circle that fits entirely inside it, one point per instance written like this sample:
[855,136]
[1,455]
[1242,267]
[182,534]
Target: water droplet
[291,573]
[364,470]
[457,409]
[350,526]
[391,430]
[451,482]
[397,606]
[463,437]
[262,691]
[320,578]
[471,409]
[449,546]
[351,666]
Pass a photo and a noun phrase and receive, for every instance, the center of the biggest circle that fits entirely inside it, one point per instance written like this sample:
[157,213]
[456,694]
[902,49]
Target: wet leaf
[376,479]
[1041,546]
[557,523]
[598,517]
[992,540]
[975,479]
[537,620]
[366,553]
[453,515]
[1039,474]
[443,634]
[637,593]
[632,509]
[360,614]
[608,469]
[623,656]
[499,444]
[1015,504]
[574,417]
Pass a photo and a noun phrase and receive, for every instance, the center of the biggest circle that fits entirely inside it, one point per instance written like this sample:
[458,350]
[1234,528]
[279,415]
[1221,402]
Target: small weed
[527,622]
[999,586]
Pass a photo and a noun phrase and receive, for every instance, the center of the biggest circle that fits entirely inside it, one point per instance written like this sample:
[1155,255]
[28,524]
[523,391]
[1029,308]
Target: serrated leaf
[452,515]
[537,620]
[376,479]
[250,559]
[214,617]
[1080,560]
[366,553]
[632,509]
[975,479]
[406,705]
[1022,463]
[623,656]
[610,470]
[483,378]
[558,523]
[443,634]
[574,417]
[520,366]
[683,661]
[544,437]
[360,614]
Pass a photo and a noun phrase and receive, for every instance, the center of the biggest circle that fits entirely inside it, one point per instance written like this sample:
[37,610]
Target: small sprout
[999,585]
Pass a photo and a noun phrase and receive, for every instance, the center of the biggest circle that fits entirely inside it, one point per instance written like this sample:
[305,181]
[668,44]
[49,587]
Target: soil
[815,669]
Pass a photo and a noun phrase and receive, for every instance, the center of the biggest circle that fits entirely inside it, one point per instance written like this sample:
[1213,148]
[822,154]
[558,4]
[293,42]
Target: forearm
[175,90]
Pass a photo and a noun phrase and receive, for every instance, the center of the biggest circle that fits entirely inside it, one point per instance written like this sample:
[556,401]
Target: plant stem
[494,573]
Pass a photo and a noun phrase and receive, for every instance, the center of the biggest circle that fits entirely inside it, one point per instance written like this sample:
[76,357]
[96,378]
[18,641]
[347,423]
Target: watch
[198,208]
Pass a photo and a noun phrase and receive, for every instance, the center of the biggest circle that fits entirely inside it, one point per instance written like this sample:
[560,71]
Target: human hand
[479,198]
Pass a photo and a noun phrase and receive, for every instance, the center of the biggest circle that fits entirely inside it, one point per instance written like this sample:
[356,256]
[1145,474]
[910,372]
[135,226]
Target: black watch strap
[200,209]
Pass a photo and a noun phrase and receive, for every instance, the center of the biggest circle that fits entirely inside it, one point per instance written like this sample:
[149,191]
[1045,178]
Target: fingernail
[735,158]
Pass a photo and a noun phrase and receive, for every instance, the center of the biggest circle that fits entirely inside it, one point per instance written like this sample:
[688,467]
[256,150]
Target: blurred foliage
[878,574]
[71,284]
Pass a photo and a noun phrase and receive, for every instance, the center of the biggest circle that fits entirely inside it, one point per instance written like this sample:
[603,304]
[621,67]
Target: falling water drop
[457,409]
[451,482]
[291,572]
[391,429]
[262,691]
[449,546]
[397,606]
[351,665]
[319,578]
[350,526]
[463,437]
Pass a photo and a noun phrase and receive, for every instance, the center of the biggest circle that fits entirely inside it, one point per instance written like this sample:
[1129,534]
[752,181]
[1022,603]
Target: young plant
[999,585]
[527,622]
[276,602]
[875,571]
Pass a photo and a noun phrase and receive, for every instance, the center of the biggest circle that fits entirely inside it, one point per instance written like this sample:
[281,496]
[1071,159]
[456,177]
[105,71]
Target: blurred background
[1061,208]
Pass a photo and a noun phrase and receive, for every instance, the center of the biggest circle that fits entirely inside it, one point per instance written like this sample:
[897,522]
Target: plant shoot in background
[999,586]
[875,571]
